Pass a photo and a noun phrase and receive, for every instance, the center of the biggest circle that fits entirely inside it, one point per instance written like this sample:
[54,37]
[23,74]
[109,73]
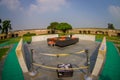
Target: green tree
[6,26]
[0,24]
[111,26]
[53,26]
[64,27]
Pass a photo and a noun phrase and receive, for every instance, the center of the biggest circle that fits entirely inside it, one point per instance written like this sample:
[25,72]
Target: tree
[53,26]
[0,24]
[64,27]
[111,26]
[6,26]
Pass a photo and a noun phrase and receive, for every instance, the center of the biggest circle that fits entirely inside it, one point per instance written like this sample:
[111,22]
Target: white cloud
[47,5]
[11,4]
[115,11]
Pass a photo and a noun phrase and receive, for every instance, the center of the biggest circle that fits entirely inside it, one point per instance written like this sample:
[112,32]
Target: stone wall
[80,36]
[21,57]
[94,31]
[85,37]
[43,37]
[100,58]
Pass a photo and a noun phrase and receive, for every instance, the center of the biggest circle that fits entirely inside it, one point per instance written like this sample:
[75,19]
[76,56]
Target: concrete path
[75,59]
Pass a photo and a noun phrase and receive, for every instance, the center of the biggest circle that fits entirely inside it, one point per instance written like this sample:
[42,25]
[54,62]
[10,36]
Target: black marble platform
[63,41]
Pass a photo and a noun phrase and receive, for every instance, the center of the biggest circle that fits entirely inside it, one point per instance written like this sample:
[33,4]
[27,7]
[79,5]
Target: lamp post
[88,77]
[32,71]
[88,60]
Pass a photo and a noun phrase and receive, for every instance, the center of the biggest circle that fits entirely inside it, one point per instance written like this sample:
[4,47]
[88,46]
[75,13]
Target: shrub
[29,34]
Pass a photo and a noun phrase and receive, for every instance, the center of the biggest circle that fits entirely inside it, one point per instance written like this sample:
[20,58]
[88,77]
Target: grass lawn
[99,36]
[3,51]
[16,40]
[2,41]
[114,39]
[118,49]
[11,41]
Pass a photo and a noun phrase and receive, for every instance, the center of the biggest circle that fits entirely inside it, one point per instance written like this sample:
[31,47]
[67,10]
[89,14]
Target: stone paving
[75,59]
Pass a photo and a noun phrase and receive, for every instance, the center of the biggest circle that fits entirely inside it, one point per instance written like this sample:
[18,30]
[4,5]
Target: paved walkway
[12,70]
[111,69]
[76,60]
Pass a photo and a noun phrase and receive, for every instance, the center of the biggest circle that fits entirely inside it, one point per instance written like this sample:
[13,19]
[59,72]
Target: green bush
[99,37]
[29,34]
[27,38]
[16,40]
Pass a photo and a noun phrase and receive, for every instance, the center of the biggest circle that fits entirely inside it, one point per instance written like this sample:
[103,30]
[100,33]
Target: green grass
[2,41]
[12,41]
[114,39]
[16,40]
[118,48]
[27,38]
[100,36]
[3,52]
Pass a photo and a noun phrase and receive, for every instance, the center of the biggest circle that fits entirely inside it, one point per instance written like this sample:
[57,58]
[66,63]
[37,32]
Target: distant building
[19,33]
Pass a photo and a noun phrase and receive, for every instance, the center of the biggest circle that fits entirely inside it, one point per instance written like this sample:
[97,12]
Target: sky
[35,14]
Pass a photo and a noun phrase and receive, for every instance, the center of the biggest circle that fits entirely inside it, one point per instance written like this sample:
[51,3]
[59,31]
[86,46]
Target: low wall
[100,58]
[85,37]
[43,37]
[80,36]
[20,56]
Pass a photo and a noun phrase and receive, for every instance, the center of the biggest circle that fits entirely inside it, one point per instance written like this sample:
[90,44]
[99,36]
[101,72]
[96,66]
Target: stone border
[85,37]
[20,50]
[100,58]
[20,56]
[43,37]
[80,36]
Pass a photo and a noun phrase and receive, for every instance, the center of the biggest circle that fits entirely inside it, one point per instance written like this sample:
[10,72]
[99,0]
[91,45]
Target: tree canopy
[53,26]
[59,26]
[5,26]
[0,20]
[0,24]
[111,26]
[64,27]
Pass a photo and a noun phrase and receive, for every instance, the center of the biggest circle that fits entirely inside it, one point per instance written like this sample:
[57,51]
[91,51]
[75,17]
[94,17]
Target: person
[51,43]
[70,35]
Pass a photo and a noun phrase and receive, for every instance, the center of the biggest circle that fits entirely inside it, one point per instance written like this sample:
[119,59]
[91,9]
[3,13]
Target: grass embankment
[114,39]
[15,40]
[2,41]
[11,41]
[3,52]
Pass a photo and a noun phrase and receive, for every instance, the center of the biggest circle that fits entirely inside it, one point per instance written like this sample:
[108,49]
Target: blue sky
[32,14]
